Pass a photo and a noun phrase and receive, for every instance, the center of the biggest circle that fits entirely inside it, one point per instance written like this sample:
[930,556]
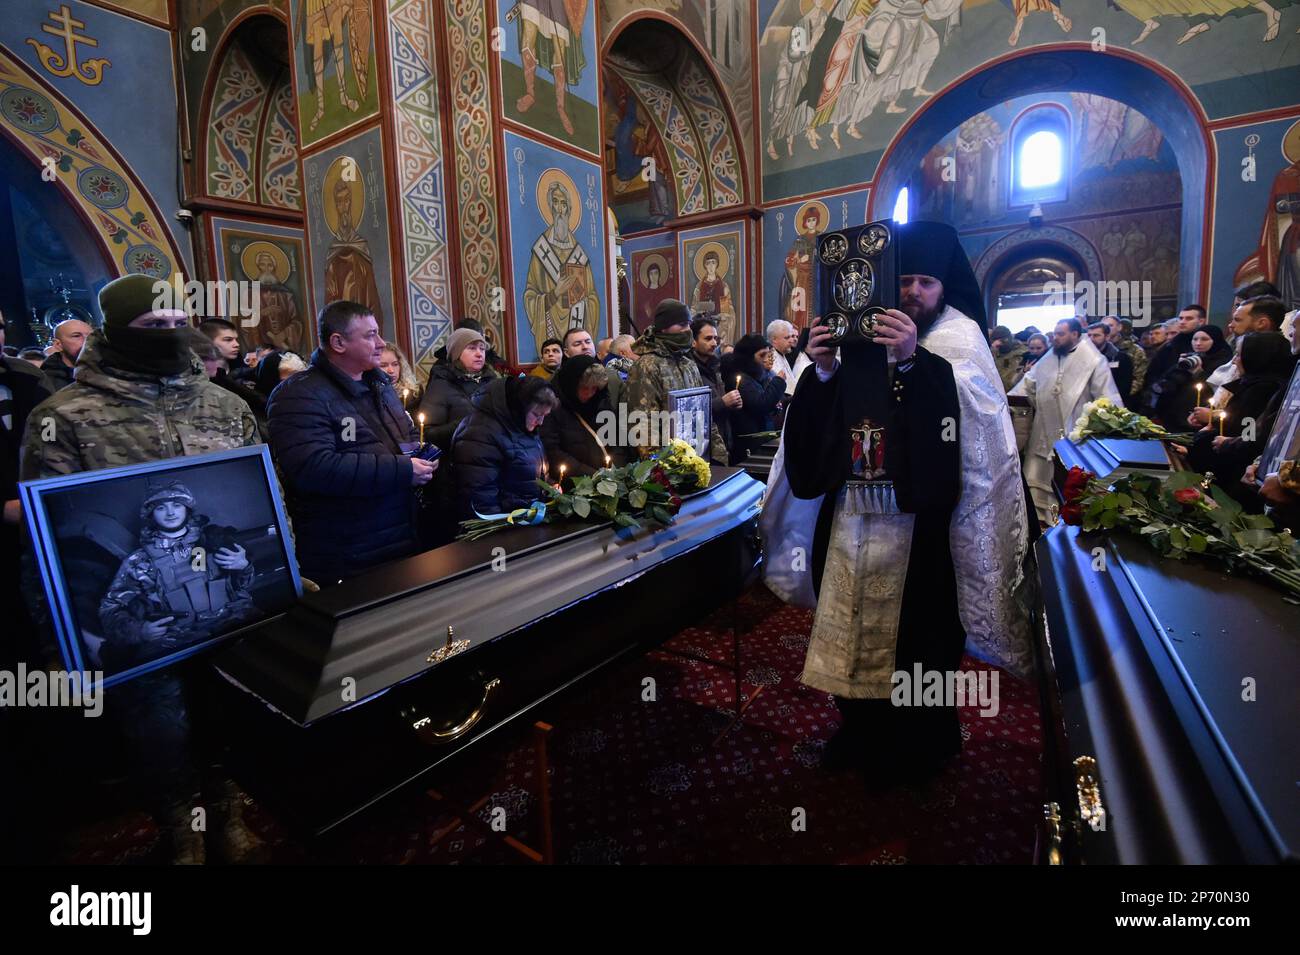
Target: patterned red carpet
[635,781]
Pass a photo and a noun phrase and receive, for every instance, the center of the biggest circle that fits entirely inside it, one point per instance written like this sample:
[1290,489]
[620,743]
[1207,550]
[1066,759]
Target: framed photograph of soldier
[557,245]
[1284,440]
[273,256]
[147,564]
[692,417]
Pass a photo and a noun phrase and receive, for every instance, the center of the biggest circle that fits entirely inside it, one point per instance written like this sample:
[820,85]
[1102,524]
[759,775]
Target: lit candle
[1199,386]
[405,393]
[563,468]
[421,417]
[607,460]
[737,382]
[1222,415]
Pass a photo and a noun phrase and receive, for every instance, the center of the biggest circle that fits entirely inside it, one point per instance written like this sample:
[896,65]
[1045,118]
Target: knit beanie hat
[671,312]
[461,339]
[127,298]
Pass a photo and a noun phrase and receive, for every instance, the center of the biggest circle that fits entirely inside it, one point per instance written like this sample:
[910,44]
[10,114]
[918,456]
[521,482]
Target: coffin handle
[1088,782]
[1052,815]
[438,737]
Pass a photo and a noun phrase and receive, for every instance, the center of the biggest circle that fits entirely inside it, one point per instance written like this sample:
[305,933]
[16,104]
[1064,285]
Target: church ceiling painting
[274,257]
[550,68]
[111,199]
[827,114]
[347,226]
[722,28]
[336,71]
[557,244]
[421,172]
[475,166]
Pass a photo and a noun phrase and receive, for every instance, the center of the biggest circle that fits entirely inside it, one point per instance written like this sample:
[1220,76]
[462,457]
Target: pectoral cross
[66,65]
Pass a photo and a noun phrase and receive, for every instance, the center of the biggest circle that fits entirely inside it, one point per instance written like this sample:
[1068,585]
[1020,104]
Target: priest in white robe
[1059,384]
[915,553]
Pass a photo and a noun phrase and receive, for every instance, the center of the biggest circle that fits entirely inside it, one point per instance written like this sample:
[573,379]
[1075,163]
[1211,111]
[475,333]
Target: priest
[1060,383]
[898,477]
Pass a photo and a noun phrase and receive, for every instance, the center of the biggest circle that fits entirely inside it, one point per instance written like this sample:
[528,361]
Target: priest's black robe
[923,459]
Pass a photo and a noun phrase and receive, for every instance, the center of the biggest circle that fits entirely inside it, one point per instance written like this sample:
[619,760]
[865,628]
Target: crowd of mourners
[1223,384]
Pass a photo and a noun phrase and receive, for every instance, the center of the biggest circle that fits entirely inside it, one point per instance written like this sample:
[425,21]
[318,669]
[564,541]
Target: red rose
[1076,484]
[675,503]
[1187,495]
[1072,513]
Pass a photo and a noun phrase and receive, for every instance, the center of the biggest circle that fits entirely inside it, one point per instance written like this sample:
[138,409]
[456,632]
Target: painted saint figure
[280,325]
[326,22]
[714,291]
[349,267]
[560,290]
[1022,9]
[798,274]
[550,33]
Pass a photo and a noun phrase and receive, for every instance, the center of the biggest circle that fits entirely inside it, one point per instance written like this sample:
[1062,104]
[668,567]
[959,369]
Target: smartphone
[431,453]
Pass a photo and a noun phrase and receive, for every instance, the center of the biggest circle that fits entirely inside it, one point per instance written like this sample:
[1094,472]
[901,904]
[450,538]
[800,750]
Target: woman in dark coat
[497,450]
[571,433]
[1264,364]
[760,390]
[452,383]
[1173,395]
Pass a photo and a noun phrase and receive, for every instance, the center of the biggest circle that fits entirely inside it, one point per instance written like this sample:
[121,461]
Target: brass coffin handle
[424,725]
[1052,813]
[1088,782]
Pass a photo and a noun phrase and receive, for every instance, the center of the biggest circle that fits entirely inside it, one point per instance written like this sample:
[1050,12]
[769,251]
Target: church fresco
[550,68]
[336,71]
[639,185]
[557,244]
[655,276]
[1277,257]
[839,78]
[347,226]
[715,276]
[274,257]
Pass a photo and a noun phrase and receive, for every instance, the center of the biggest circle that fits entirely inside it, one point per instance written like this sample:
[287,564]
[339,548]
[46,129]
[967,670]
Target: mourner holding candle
[907,571]
[452,383]
[341,440]
[571,432]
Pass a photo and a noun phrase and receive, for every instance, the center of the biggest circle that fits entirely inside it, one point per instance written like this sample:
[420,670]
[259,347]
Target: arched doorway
[1117,75]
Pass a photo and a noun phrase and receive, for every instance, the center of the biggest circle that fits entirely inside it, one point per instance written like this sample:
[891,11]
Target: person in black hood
[761,393]
[1172,396]
[1265,364]
[572,432]
[268,374]
[497,451]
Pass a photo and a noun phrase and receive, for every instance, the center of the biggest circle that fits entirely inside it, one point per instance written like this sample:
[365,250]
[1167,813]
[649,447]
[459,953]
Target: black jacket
[446,401]
[1121,368]
[57,371]
[27,387]
[711,372]
[337,444]
[497,463]
[760,400]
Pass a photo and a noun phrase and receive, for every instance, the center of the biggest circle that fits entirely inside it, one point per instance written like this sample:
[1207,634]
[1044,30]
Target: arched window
[1040,165]
[900,207]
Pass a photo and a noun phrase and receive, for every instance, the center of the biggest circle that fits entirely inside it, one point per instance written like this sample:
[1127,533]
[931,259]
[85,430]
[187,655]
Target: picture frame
[147,564]
[691,411]
[1283,442]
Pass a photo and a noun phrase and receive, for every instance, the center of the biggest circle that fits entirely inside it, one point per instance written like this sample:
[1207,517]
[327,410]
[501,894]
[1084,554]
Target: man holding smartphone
[909,570]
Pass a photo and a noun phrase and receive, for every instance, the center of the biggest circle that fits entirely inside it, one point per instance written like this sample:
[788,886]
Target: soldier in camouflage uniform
[140,394]
[1008,355]
[665,364]
[1120,334]
[163,598]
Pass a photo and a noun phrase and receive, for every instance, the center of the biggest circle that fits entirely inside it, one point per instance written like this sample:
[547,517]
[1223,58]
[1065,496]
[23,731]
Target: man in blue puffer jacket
[338,433]
[497,451]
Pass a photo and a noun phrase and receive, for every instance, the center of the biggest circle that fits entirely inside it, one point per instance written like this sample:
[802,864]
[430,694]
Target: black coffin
[1143,669]
[341,701]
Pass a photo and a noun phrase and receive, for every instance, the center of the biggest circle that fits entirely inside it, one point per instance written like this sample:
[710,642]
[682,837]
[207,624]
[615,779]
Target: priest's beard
[1063,350]
[921,317]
